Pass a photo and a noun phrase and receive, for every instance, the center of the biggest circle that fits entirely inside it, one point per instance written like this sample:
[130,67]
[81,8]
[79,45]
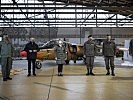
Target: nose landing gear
[38,65]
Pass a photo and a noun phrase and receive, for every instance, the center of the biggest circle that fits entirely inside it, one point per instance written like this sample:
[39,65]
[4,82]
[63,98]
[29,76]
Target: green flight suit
[6,52]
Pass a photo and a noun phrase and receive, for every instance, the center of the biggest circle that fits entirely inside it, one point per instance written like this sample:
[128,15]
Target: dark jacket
[60,54]
[89,48]
[109,48]
[31,46]
[131,47]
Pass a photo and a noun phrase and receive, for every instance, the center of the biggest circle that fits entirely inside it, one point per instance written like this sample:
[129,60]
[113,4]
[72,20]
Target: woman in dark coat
[60,56]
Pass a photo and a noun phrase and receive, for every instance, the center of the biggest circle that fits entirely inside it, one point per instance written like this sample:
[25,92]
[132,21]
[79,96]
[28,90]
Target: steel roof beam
[89,5]
[107,8]
[109,18]
[63,19]
[77,24]
[15,3]
[72,22]
[66,12]
[6,18]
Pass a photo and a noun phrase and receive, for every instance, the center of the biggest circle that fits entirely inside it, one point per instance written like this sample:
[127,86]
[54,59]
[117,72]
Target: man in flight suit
[6,53]
[109,50]
[89,53]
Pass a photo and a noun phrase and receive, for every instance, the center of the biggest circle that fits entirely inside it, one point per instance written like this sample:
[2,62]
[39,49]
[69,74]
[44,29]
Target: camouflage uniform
[109,50]
[89,52]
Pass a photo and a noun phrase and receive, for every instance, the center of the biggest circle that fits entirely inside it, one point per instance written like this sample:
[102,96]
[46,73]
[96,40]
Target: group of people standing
[108,51]
[6,54]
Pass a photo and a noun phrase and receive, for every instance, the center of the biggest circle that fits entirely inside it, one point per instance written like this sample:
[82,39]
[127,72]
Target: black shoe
[60,75]
[113,74]
[108,73]
[28,75]
[9,78]
[34,74]
[87,74]
[4,79]
[92,74]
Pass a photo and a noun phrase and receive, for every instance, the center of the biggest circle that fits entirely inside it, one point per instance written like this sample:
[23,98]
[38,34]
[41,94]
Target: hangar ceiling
[66,13]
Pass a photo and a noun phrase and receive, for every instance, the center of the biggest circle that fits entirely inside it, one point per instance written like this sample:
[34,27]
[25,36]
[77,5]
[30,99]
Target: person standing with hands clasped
[31,48]
[60,51]
[109,51]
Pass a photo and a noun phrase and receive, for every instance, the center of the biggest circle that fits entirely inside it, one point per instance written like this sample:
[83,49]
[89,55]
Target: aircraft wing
[123,49]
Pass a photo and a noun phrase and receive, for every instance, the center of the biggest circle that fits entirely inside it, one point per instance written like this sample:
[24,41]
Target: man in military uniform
[89,53]
[6,53]
[109,50]
[60,51]
[131,48]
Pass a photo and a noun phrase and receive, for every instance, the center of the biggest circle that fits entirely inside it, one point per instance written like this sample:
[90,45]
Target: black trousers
[60,68]
[33,65]
[109,62]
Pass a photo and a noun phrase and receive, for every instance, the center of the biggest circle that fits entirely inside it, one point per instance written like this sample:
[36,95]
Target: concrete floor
[74,85]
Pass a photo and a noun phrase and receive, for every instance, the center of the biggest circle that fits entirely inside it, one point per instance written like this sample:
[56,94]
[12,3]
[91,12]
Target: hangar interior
[72,20]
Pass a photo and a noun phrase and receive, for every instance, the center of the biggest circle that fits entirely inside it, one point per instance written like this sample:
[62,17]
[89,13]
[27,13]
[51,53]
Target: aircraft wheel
[38,65]
[67,61]
[75,61]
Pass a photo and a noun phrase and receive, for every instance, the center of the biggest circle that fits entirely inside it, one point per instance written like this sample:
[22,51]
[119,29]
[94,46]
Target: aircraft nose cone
[23,53]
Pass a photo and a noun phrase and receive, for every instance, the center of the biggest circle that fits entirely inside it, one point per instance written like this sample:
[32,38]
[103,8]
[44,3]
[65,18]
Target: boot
[4,79]
[91,73]
[113,74]
[28,75]
[9,78]
[88,72]
[34,74]
[108,72]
